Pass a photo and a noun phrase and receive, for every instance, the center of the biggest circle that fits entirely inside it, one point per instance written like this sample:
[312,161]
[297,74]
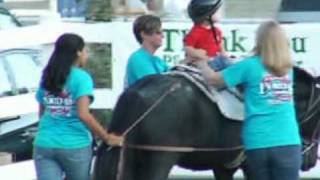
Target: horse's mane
[134,95]
[142,82]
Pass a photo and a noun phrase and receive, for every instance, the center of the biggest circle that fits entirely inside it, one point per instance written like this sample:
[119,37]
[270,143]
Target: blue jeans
[70,8]
[219,63]
[55,164]
[276,163]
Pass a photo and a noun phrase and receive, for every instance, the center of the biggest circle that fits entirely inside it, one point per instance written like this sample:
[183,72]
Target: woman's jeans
[55,164]
[276,163]
[73,8]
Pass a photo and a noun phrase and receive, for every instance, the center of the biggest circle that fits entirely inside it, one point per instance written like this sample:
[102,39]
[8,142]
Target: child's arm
[194,54]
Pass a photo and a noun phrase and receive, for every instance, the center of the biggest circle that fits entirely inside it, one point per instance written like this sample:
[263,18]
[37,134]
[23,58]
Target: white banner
[238,40]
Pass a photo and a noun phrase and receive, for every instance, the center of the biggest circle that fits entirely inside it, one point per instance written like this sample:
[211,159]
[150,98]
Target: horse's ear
[297,70]
[301,73]
[317,82]
[309,72]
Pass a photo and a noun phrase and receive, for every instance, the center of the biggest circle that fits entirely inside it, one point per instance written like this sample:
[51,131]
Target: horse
[168,121]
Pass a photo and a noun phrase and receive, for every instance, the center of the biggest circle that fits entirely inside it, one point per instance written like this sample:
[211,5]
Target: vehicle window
[294,5]
[6,22]
[25,69]
[5,85]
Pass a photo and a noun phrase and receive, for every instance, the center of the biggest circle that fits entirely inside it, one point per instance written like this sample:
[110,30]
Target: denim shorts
[56,163]
[219,63]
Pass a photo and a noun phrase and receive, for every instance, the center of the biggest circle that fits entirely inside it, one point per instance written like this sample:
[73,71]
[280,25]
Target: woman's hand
[193,55]
[201,64]
[115,140]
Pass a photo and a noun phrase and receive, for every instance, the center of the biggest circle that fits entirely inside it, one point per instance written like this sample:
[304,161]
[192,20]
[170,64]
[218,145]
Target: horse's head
[307,101]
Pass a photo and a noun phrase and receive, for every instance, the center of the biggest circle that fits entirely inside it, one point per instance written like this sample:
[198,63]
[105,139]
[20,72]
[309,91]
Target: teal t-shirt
[60,126]
[270,118]
[142,63]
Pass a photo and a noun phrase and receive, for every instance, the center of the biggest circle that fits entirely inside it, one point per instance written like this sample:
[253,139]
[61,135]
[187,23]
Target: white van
[19,75]
[20,71]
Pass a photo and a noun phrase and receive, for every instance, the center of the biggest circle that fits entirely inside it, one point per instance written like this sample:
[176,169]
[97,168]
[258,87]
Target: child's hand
[200,55]
[201,64]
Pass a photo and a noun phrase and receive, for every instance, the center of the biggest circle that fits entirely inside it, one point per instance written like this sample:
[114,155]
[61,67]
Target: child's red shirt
[201,37]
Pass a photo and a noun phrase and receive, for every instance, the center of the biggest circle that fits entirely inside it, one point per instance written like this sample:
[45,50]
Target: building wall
[233,8]
[251,8]
[27,4]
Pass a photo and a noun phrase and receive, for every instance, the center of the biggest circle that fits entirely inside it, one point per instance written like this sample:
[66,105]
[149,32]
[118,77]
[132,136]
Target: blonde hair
[273,47]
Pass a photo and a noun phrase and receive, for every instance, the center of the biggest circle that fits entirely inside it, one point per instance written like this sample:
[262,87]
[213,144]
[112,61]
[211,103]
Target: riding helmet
[203,9]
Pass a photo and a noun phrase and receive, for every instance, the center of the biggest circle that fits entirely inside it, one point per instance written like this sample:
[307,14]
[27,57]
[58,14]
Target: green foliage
[102,115]
[99,10]
[100,64]
[100,67]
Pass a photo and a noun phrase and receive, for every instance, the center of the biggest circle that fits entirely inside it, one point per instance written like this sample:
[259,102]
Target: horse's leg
[106,164]
[155,165]
[223,173]
[245,172]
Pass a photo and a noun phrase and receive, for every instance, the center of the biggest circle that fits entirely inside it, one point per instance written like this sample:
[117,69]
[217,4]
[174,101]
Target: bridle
[311,110]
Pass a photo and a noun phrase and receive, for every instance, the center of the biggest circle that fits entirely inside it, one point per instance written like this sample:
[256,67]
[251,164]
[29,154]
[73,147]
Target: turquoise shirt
[60,126]
[270,118]
[142,63]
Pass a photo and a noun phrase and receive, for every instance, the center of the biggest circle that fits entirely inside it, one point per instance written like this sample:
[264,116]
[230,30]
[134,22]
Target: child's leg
[219,63]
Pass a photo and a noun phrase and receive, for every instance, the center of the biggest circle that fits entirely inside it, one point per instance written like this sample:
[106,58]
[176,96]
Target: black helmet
[203,9]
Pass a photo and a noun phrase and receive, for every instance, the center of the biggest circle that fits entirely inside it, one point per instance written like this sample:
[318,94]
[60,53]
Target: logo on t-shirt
[276,89]
[59,105]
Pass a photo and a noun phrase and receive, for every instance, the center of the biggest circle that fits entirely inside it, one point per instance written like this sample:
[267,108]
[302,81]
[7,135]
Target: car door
[20,71]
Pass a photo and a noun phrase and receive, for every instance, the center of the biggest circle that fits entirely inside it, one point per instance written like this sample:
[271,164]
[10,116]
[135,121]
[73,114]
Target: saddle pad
[229,104]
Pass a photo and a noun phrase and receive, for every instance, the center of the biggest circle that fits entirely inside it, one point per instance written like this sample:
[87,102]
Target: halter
[313,102]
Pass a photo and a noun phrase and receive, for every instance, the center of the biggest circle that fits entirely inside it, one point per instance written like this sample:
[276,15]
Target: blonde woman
[270,133]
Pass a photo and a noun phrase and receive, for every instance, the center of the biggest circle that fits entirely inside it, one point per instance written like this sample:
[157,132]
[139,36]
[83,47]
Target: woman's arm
[212,77]
[85,115]
[195,54]
[41,110]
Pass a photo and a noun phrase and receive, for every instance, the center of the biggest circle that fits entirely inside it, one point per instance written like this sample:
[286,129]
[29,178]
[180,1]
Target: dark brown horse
[163,116]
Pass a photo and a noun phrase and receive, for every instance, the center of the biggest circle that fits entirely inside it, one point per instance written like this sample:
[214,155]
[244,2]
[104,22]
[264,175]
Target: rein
[179,148]
[170,90]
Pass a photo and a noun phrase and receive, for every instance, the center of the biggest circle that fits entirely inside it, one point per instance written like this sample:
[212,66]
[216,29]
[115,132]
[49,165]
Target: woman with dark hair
[62,147]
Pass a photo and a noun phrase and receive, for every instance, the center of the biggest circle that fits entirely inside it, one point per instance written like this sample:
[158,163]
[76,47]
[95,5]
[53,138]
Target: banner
[239,39]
